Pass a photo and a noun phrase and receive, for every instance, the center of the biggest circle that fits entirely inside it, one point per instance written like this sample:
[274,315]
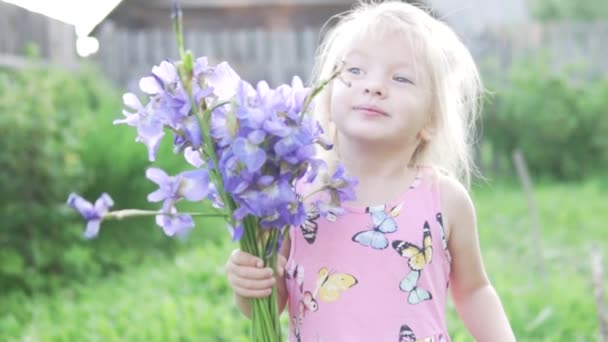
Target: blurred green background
[135,284]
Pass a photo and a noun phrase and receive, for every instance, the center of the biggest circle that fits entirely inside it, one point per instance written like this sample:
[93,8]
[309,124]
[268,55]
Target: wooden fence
[256,54]
[565,43]
[276,56]
[19,28]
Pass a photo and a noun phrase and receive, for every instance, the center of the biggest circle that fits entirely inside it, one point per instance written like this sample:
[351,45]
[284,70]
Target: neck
[368,161]
[383,172]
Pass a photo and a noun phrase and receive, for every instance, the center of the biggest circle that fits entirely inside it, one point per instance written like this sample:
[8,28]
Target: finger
[245,259]
[248,293]
[251,284]
[250,272]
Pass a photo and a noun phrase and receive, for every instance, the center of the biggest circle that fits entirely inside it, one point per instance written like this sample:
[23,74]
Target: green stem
[314,192]
[317,90]
[265,320]
[121,214]
[178,28]
[274,308]
[265,324]
[209,151]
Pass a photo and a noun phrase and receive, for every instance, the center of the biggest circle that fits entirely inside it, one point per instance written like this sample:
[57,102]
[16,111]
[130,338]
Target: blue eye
[402,79]
[354,70]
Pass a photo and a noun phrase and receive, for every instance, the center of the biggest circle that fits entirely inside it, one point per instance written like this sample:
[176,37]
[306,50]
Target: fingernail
[260,264]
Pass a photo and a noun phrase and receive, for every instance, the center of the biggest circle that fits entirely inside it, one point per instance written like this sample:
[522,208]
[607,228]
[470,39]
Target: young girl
[401,116]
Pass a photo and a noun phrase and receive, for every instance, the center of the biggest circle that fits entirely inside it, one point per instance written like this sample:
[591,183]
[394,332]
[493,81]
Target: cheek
[337,103]
[427,101]
[418,106]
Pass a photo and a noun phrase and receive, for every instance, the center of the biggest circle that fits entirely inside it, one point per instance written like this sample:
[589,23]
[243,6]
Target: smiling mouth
[370,110]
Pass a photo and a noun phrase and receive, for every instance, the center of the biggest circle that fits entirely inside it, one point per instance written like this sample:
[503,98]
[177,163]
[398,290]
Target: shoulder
[453,193]
[456,204]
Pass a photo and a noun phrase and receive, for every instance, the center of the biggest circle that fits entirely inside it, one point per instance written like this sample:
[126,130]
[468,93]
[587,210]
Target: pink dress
[378,273]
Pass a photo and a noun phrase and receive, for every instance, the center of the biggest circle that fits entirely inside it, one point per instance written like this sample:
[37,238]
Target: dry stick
[526,181]
[597,271]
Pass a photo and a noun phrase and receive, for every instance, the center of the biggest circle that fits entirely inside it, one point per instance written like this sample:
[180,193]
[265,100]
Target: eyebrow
[396,65]
[355,52]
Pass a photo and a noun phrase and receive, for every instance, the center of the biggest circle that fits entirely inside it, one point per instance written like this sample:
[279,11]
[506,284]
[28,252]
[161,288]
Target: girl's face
[388,100]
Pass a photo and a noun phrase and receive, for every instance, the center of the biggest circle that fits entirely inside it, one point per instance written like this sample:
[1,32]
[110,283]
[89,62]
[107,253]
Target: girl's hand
[248,277]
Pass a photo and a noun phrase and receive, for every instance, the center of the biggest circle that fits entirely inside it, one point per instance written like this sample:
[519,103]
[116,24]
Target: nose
[375,89]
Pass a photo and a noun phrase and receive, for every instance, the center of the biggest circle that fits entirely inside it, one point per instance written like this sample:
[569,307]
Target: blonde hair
[454,79]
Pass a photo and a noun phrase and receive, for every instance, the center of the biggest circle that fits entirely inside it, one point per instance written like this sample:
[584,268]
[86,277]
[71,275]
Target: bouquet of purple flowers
[248,146]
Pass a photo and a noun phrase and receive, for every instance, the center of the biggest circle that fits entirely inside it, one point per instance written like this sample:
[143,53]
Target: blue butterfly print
[383,223]
[410,284]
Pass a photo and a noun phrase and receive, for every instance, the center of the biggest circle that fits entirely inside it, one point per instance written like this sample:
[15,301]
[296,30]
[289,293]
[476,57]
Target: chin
[366,136]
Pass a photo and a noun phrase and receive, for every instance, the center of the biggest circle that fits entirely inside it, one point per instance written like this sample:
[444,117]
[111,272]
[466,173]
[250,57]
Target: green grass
[559,305]
[187,298]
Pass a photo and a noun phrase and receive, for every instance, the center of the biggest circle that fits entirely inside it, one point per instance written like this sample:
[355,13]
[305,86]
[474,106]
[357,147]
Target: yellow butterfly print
[330,286]
[396,210]
[418,256]
[431,339]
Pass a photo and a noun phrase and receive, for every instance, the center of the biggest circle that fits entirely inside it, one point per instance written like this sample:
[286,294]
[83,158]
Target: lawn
[544,285]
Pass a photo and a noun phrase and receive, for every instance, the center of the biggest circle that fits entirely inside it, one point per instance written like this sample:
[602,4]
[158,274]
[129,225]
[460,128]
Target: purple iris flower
[315,166]
[176,10]
[200,88]
[262,140]
[294,213]
[172,222]
[246,95]
[149,125]
[296,147]
[193,157]
[93,214]
[343,185]
[328,210]
[224,81]
[164,84]
[170,106]
[223,126]
[192,130]
[191,185]
[277,127]
[201,65]
[248,111]
[229,166]
[265,201]
[249,152]
[236,231]
[296,98]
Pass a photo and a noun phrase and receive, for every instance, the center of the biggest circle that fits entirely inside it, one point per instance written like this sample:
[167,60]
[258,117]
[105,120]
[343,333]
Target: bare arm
[475,298]
[281,288]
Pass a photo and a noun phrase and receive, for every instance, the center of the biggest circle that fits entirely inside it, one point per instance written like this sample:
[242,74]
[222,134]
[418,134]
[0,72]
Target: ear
[427,133]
